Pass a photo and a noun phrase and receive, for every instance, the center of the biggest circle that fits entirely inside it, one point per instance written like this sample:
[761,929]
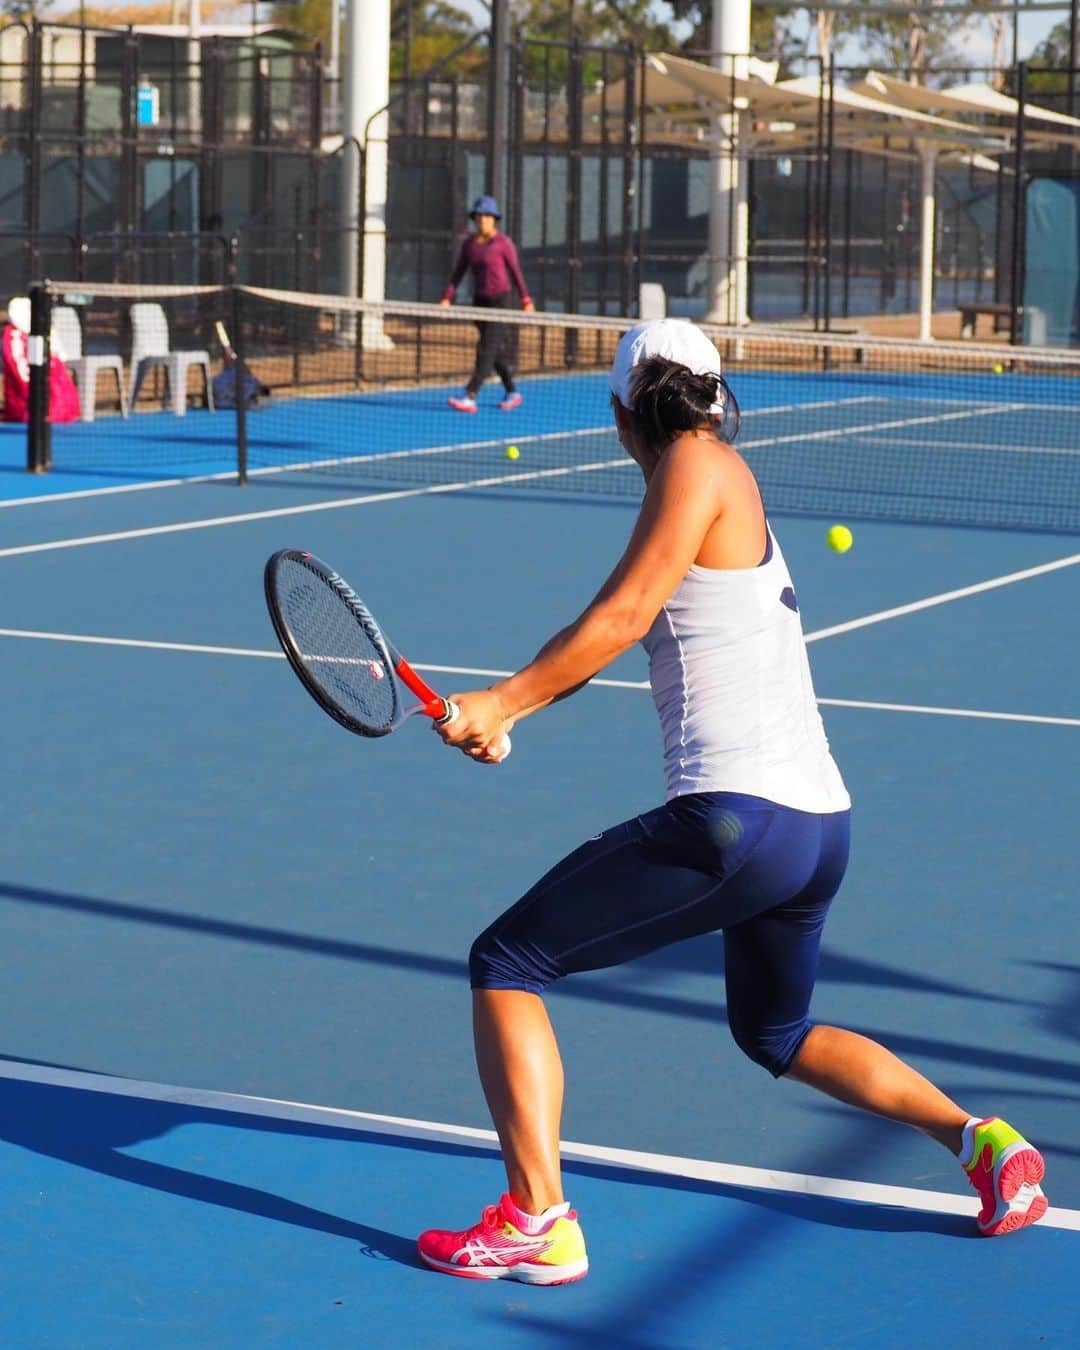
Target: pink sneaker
[552,1251]
[465,404]
[510,402]
[1005,1170]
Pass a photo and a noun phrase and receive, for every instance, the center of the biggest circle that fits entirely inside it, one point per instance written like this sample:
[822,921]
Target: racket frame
[431,704]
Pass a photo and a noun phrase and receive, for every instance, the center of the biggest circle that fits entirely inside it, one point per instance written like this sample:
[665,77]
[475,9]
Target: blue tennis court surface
[209,886]
[969,447]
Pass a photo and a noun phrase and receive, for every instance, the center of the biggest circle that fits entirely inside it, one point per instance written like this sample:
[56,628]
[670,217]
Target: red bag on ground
[63,396]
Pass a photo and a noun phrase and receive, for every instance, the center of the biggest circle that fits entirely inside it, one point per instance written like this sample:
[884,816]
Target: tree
[614,23]
[773,30]
[22,11]
[1053,51]
[915,42]
[1050,62]
[430,29]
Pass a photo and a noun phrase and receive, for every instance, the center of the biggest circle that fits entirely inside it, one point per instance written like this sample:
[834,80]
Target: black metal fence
[133,158]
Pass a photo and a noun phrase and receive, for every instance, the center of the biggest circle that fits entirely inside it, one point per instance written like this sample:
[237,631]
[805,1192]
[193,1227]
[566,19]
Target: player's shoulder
[693,455]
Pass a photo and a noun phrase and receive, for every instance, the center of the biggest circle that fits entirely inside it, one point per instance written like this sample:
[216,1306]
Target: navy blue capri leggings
[762,873]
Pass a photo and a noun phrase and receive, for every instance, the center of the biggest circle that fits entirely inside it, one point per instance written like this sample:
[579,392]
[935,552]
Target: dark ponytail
[668,398]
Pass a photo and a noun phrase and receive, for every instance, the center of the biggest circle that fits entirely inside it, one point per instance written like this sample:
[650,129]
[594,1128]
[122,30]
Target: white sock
[967,1147]
[532,1224]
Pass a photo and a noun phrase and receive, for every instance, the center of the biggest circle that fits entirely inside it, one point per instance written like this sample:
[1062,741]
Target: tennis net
[845,425]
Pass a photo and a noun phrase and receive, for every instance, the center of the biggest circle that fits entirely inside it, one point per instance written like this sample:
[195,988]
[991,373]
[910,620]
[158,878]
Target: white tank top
[731,682]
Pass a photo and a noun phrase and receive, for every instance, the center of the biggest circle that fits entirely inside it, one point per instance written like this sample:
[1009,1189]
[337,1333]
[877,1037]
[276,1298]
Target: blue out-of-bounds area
[236,1072]
[159,1219]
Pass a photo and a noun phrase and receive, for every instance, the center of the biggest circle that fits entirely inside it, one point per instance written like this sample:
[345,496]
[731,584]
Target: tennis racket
[339,652]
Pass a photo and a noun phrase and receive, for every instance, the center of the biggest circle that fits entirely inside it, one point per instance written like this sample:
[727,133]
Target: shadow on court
[174,1215]
[686,956]
[93,1129]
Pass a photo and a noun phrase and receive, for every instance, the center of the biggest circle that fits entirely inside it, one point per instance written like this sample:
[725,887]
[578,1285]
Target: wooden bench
[1001,313]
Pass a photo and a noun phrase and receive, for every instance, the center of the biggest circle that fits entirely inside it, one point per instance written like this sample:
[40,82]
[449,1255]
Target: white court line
[371,498]
[47,497]
[479,672]
[944,598]
[1008,448]
[819,403]
[364,1122]
[949,712]
[980,410]
[91,640]
[436,489]
[341,461]
[344,460]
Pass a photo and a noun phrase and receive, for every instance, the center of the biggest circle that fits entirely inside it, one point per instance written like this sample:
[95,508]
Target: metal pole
[573,193]
[1074,55]
[1016,333]
[240,380]
[366,132]
[818,185]
[498,91]
[849,189]
[927,227]
[629,185]
[194,68]
[826,244]
[726,294]
[335,47]
[39,428]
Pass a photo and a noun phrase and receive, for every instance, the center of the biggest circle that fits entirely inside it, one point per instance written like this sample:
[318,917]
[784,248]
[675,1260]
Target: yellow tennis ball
[999,369]
[840,538]
[512,452]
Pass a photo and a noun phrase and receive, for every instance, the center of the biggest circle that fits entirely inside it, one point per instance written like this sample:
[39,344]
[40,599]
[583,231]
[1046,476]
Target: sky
[1032,27]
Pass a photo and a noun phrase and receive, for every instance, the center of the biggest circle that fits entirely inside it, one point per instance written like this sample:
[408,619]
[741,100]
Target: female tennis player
[753,838]
[493,261]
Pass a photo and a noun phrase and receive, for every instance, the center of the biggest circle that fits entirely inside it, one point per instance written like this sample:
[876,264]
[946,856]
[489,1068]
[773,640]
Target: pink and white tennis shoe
[508,1244]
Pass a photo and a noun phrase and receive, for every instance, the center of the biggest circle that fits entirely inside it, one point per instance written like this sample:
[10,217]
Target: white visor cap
[675,340]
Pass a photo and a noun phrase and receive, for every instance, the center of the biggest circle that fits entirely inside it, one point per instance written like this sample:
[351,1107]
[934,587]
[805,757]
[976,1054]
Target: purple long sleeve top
[494,266]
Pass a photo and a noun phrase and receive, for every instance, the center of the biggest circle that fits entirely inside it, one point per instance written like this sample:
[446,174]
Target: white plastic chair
[652,301]
[150,347]
[67,340]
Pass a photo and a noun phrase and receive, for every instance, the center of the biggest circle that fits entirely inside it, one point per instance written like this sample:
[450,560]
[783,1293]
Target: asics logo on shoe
[505,1251]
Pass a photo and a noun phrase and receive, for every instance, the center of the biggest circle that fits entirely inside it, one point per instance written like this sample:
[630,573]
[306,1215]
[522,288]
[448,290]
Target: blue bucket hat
[485,206]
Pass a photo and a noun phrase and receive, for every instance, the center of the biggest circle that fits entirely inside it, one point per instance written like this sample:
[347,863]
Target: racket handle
[453,712]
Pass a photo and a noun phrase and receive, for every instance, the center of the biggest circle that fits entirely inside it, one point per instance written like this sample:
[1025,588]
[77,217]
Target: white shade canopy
[881,115]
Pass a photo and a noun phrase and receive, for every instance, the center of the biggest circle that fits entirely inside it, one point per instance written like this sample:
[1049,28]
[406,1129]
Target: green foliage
[773,32]
[431,29]
[614,23]
[1053,56]
[22,11]
[916,42]
[309,17]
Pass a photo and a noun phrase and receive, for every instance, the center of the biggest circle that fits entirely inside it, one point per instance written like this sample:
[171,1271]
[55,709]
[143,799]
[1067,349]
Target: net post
[38,427]
[240,367]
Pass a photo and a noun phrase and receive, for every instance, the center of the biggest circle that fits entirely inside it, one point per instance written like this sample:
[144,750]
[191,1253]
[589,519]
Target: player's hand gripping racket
[339,652]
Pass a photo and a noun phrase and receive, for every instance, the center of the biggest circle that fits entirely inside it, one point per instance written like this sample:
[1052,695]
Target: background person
[492,260]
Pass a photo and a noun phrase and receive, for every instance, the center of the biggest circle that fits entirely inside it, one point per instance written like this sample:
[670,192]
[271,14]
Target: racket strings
[337,651]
